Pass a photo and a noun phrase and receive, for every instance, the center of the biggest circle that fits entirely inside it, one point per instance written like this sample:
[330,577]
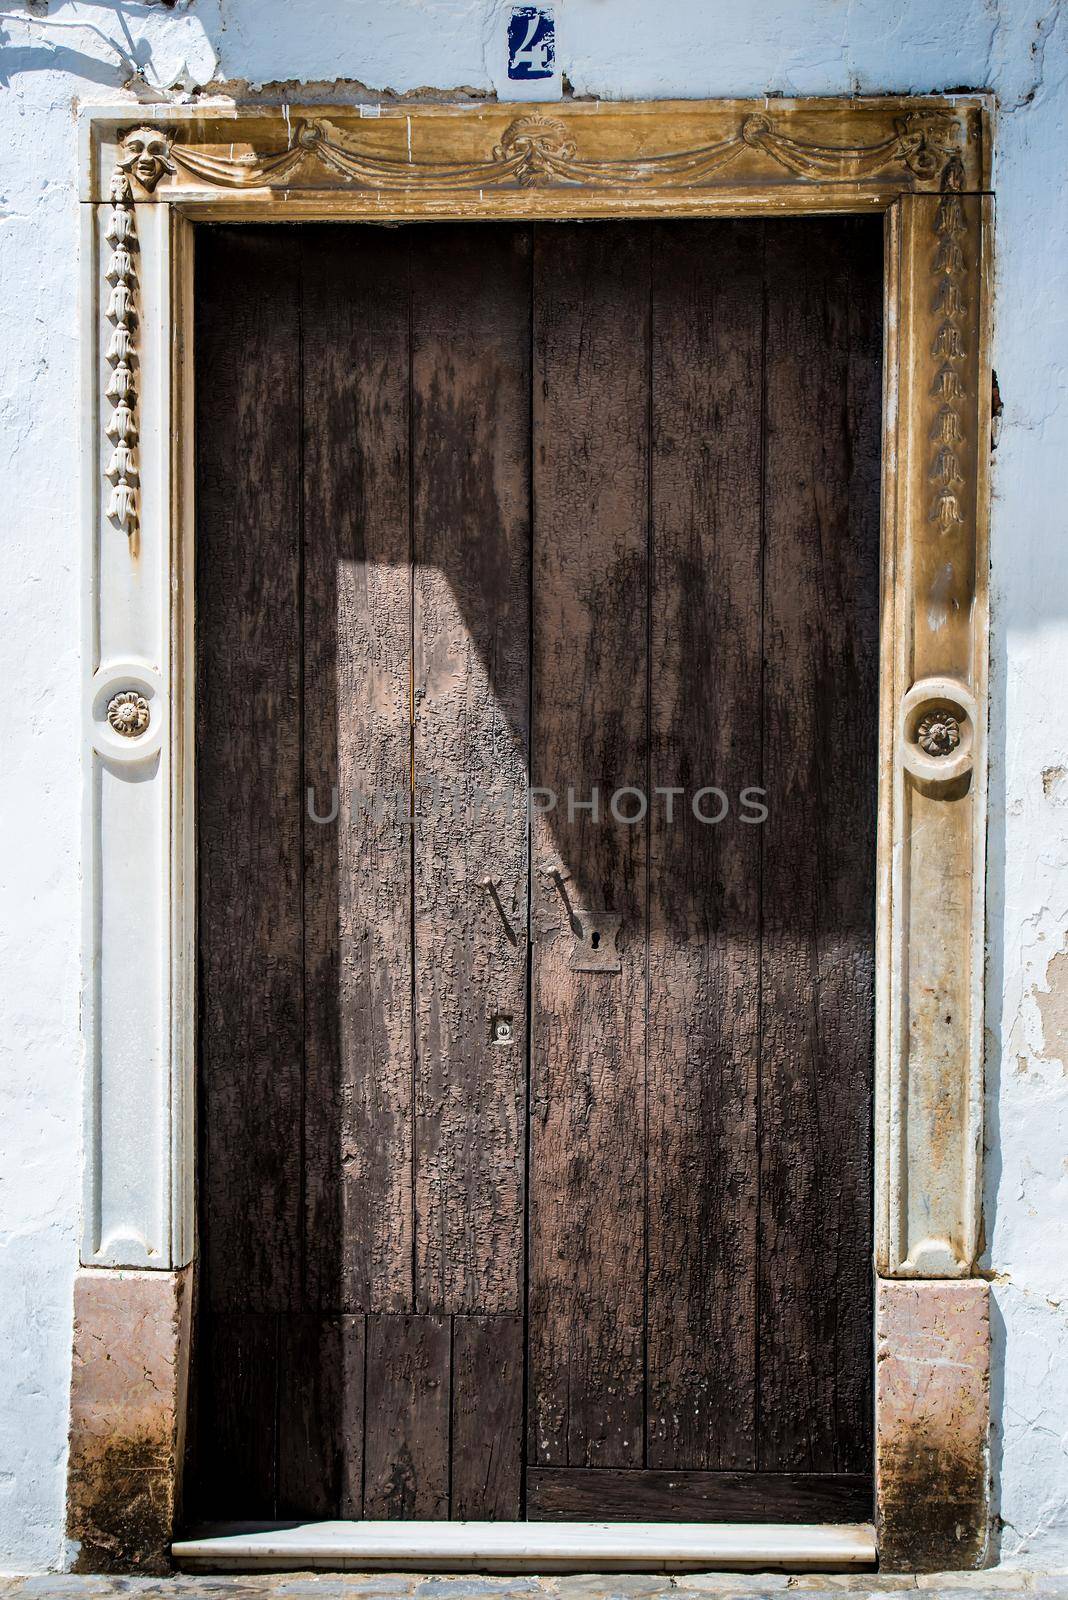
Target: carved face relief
[147,154]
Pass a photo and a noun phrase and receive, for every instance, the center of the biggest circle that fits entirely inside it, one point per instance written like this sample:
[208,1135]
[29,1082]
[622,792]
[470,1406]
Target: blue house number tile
[531,43]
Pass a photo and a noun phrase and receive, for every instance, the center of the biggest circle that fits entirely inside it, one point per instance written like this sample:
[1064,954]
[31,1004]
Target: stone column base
[932,1387]
[127,1417]
[128,1402]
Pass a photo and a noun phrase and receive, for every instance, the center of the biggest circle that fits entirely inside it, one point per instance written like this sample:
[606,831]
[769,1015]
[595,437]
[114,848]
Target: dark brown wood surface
[487,1418]
[661,1496]
[706,518]
[235,1374]
[588,1067]
[250,769]
[820,634]
[406,1454]
[320,1421]
[597,504]
[358,1148]
[471,676]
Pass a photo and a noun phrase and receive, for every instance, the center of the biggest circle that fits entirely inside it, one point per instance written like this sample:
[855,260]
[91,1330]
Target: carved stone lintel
[547,151]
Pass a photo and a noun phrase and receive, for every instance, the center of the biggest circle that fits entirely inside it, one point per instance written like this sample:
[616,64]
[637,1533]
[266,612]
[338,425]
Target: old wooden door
[535,565]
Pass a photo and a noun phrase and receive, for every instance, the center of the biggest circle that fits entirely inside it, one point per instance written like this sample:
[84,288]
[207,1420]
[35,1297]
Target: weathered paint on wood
[706,517]
[820,636]
[487,1418]
[406,1463]
[358,1204]
[696,437]
[471,677]
[588,1067]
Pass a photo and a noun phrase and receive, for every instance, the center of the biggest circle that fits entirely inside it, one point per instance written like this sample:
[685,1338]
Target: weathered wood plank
[820,649]
[661,1496]
[487,1418]
[357,664]
[586,1334]
[471,539]
[320,1416]
[704,878]
[406,1451]
[249,801]
[236,1375]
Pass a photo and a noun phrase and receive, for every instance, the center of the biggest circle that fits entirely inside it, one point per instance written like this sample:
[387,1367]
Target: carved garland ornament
[948,268]
[537,149]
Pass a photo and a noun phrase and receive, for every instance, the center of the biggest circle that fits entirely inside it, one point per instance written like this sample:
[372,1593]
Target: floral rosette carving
[938,732]
[128,713]
[948,349]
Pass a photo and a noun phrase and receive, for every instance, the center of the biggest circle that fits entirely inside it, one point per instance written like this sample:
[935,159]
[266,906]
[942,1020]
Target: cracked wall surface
[69,51]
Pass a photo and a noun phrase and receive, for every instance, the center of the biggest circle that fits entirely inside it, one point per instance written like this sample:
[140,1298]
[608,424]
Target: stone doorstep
[620,1586]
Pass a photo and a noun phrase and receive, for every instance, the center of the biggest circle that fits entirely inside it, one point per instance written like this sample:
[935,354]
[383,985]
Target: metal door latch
[489,887]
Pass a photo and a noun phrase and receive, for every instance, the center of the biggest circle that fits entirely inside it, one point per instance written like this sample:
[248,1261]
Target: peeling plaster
[1053,1009]
[365,50]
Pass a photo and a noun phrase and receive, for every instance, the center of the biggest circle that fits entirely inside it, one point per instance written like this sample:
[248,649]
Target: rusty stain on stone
[131,1336]
[932,1396]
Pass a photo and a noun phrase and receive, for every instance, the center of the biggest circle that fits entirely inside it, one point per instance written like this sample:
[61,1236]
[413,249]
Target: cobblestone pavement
[420,1586]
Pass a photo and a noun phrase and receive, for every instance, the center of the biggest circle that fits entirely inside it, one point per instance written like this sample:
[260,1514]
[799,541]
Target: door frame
[149,176]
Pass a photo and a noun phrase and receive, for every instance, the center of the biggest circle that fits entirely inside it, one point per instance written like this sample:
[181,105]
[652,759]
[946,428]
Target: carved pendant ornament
[121,390]
[539,150]
[146,157]
[947,433]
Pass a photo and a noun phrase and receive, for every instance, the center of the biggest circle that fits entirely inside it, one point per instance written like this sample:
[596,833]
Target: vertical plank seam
[276,1405]
[452,1396]
[301,801]
[648,832]
[200,1138]
[759,1251]
[837,1454]
[363,1418]
[303,774]
[524,1434]
[413,1030]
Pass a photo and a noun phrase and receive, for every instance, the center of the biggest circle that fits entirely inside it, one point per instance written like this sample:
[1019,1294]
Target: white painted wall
[85,49]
